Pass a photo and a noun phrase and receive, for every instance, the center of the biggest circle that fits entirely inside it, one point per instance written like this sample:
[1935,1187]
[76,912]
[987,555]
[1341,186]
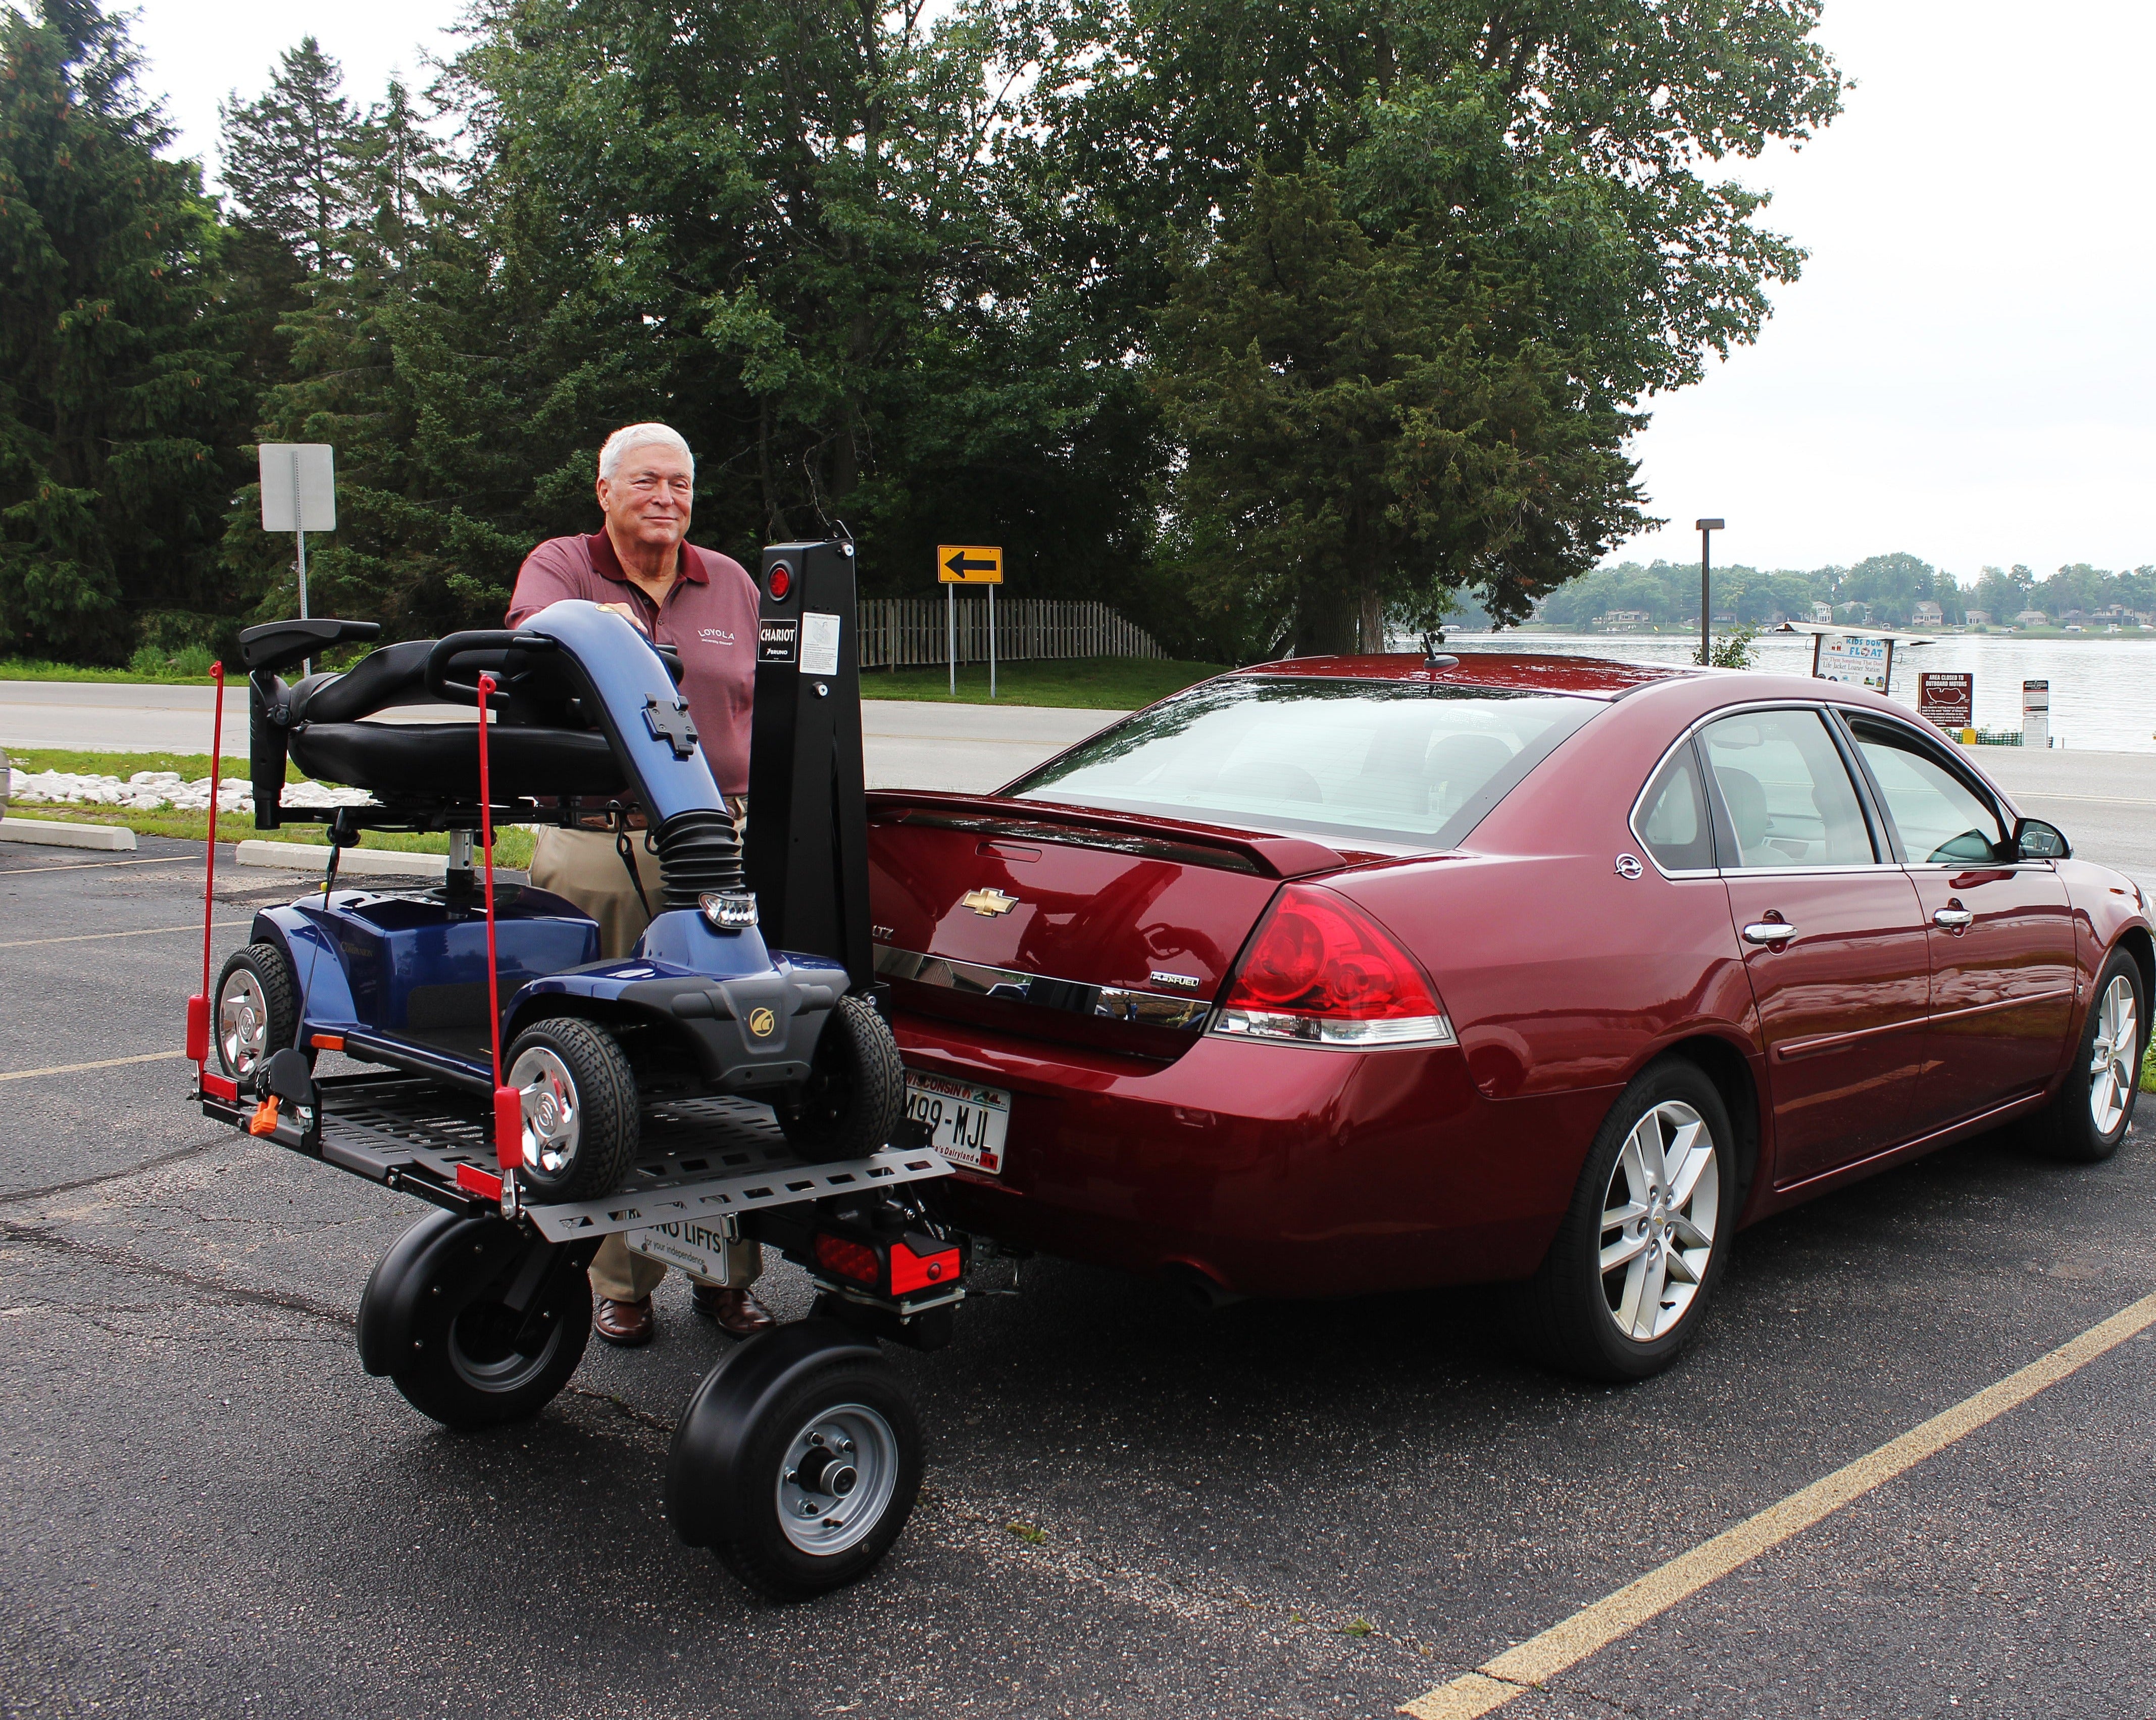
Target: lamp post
[1706,527]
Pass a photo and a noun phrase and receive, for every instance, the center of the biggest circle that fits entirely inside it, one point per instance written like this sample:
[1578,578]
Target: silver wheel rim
[2111,1071]
[840,1472]
[1658,1221]
[553,1121]
[243,1022]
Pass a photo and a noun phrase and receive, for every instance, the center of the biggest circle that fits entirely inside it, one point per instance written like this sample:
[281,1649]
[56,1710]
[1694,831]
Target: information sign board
[1946,698]
[1854,659]
[298,486]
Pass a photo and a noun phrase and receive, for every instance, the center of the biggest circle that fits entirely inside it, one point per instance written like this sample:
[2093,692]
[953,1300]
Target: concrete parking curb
[309,857]
[52,833]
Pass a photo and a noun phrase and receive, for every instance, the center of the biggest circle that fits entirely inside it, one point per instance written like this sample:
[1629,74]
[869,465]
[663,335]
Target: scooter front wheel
[581,1126]
[255,1012]
[798,1461]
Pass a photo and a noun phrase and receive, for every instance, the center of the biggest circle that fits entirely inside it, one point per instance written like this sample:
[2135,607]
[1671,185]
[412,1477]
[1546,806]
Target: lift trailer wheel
[475,1322]
[798,1461]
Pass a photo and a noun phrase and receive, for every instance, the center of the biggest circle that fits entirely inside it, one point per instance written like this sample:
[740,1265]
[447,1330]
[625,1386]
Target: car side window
[1786,790]
[1939,816]
[1672,821]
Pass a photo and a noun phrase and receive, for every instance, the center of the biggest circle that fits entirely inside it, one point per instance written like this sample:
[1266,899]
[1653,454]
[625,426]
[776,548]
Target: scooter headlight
[729,910]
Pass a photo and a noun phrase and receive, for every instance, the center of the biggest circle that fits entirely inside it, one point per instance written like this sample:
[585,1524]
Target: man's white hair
[634,436]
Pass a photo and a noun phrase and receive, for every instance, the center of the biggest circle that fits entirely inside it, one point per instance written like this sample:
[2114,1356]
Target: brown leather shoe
[628,1324]
[737,1311]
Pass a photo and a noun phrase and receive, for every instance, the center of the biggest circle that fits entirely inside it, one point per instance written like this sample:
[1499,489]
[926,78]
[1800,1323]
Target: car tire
[581,1124]
[255,1012]
[855,1097]
[2089,1114]
[1622,1306]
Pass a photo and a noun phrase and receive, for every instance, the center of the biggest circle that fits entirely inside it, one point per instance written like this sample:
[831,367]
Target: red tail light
[1321,971]
[848,1259]
[911,1271]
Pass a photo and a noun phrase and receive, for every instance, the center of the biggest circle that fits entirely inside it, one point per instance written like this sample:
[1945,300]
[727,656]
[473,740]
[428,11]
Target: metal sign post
[958,564]
[298,495]
[1706,529]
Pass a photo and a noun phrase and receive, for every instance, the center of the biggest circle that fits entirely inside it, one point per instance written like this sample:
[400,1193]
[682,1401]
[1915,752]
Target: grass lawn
[37,669]
[513,846]
[1083,683]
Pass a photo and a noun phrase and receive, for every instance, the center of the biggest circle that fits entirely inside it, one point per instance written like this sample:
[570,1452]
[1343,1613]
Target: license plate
[966,1123]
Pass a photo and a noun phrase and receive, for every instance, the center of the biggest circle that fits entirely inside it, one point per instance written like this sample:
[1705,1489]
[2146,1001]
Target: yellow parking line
[1562,1646]
[23,1075]
[23,943]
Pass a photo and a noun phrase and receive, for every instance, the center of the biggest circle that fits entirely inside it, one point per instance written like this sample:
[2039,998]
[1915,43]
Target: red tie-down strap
[198,1005]
[508,1102]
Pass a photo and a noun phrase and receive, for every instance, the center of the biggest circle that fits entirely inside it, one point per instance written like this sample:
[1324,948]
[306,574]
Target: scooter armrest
[280,645]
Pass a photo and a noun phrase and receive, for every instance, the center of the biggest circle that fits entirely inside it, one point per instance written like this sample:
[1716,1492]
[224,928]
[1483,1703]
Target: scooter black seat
[439,761]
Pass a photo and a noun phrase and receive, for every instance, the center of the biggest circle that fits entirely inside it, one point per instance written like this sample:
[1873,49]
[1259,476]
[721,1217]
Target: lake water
[2103,690]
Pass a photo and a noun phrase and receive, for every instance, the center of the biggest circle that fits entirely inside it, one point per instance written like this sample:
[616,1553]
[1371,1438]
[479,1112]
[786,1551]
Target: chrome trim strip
[1112,1002]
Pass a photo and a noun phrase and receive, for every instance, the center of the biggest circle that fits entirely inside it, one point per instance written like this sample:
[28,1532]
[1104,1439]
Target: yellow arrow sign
[969,563]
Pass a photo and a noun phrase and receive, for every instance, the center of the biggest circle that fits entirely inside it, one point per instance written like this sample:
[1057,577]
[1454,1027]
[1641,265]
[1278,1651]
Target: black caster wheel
[854,1098]
[581,1126]
[798,1461]
[473,1321]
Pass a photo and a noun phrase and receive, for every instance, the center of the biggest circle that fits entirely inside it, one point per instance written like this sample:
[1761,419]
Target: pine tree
[287,155]
[120,409]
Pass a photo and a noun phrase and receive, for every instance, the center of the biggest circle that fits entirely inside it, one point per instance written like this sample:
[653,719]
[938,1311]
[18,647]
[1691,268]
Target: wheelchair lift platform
[701,1160]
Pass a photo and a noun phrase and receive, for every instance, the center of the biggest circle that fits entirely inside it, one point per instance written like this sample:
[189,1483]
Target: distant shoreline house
[2032,618]
[1622,617]
[1977,617]
[1927,613]
[1822,611]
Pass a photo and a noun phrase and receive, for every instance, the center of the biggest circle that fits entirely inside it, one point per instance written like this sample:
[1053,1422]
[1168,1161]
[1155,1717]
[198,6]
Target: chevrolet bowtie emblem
[988,903]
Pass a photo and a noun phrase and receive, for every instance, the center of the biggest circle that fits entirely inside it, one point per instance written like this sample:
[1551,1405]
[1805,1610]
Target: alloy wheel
[1658,1221]
[243,1022]
[2111,1073]
[554,1121]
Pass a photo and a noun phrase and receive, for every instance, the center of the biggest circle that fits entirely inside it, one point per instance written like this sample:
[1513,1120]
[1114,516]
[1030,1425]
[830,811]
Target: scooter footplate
[698,1158]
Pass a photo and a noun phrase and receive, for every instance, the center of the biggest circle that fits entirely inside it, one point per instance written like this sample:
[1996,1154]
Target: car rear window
[1392,762]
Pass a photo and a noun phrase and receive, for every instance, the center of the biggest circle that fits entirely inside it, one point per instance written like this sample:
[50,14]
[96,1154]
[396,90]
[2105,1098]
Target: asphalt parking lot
[1280,1509]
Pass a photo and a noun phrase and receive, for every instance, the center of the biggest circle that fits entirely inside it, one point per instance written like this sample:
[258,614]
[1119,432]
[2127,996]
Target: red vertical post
[198,1005]
[508,1102]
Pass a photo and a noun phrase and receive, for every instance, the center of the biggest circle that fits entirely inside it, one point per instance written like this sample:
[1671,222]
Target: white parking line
[23,943]
[172,859]
[23,1075]
[1518,1670]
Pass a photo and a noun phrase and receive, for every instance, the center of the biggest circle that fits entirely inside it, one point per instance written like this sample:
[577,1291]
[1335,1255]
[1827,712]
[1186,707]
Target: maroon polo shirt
[709,616]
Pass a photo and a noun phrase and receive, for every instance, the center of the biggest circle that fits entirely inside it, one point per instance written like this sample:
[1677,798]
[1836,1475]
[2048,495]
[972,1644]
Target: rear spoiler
[1087,827]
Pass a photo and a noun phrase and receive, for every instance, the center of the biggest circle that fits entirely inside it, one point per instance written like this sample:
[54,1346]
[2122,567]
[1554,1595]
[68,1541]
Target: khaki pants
[584,867]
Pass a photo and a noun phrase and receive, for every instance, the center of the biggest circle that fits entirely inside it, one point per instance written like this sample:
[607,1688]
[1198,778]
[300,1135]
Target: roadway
[1289,1509]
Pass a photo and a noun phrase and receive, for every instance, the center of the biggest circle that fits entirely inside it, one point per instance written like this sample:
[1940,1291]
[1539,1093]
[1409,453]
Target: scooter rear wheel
[256,1010]
[581,1126]
[855,1097]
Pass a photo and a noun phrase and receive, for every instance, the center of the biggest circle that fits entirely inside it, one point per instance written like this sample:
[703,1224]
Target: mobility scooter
[704,1092]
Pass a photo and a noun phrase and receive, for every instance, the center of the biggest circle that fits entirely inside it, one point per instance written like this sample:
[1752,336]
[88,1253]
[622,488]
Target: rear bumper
[1273,1170]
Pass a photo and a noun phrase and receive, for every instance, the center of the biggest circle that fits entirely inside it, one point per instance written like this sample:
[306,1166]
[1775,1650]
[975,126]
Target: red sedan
[1350,974]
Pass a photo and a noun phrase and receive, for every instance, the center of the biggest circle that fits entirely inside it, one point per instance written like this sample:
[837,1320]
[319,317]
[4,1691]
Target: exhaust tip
[1196,1288]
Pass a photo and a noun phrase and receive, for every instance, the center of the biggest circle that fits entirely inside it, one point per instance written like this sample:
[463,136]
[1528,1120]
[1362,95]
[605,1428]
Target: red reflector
[781,580]
[475,1181]
[264,1120]
[1319,954]
[217,1087]
[848,1259]
[198,1028]
[909,1271]
[508,1129]
[327,1041]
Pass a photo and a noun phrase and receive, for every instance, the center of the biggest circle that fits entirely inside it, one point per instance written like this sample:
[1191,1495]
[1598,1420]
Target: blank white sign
[298,486]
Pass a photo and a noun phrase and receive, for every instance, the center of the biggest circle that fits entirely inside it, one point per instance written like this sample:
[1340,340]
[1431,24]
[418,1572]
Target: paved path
[1282,1510]
[910,745]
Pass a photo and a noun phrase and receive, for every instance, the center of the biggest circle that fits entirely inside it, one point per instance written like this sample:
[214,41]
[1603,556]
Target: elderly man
[704,605]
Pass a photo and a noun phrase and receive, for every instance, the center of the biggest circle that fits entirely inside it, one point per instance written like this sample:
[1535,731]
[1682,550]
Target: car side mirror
[2035,841]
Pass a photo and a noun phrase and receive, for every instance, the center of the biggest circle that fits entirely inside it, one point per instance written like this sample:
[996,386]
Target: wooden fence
[905,630]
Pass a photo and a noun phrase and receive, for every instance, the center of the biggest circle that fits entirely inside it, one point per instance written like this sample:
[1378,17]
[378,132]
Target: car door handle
[1952,919]
[1773,931]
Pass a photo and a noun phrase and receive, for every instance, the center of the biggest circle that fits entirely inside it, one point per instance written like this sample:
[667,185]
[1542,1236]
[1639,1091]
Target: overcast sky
[1966,372]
